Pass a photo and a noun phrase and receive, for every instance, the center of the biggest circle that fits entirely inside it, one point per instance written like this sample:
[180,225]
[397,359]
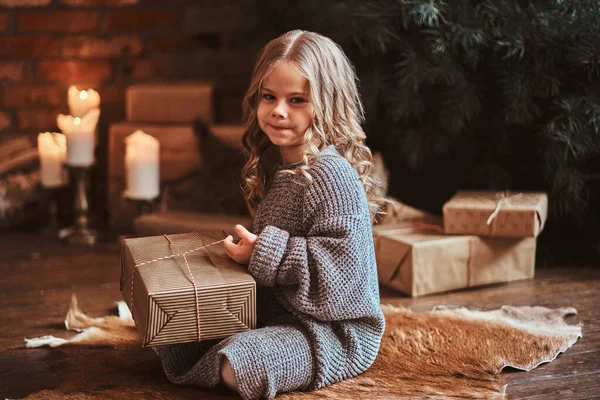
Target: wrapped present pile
[183,288]
[483,237]
[167,154]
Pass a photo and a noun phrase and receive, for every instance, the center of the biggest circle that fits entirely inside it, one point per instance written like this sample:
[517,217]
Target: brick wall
[107,45]
[46,45]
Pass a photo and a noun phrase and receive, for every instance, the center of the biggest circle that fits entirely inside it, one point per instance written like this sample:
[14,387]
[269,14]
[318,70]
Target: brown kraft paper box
[170,222]
[164,301]
[396,211]
[515,214]
[427,262]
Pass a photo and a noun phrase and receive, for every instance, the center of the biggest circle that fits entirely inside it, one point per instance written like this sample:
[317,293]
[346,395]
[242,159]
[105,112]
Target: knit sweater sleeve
[322,272]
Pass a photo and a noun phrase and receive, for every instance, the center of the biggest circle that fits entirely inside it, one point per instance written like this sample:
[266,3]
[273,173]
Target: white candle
[142,165]
[82,101]
[81,137]
[52,148]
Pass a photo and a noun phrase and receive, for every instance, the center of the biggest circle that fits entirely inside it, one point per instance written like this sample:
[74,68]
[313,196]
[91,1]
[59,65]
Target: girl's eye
[268,96]
[297,100]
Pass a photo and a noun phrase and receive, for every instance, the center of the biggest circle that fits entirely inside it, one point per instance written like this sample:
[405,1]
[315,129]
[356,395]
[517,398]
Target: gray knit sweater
[318,307]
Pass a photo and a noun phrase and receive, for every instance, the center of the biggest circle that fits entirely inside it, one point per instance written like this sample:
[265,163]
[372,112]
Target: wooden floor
[38,277]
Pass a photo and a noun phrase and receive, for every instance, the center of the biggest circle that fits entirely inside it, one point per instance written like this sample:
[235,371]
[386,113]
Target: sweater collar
[327,151]
[330,151]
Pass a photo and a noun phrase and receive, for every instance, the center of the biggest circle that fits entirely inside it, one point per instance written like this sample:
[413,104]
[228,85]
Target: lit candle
[52,151]
[142,165]
[81,137]
[82,101]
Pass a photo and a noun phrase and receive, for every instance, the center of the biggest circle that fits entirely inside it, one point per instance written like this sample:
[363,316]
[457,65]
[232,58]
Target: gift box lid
[489,201]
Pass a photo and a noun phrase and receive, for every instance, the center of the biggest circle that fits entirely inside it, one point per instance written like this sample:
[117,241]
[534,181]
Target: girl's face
[284,109]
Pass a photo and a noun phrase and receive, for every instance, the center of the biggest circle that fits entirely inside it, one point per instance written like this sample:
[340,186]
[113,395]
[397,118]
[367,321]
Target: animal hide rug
[447,353]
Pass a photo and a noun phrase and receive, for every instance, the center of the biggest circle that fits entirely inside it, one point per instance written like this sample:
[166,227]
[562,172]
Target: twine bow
[191,276]
[502,201]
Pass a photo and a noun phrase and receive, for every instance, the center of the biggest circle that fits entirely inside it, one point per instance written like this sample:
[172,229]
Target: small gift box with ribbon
[184,288]
[498,214]
[419,259]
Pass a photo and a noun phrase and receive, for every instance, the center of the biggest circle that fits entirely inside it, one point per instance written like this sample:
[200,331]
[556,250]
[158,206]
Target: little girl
[311,251]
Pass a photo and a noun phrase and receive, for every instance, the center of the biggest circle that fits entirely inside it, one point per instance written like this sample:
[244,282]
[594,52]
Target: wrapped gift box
[168,306]
[499,214]
[172,102]
[396,211]
[417,260]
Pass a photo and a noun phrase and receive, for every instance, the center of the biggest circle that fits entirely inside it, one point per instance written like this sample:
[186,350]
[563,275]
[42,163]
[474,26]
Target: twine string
[502,201]
[193,284]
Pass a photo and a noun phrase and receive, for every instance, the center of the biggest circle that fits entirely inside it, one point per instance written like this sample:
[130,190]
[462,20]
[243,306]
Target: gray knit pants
[260,362]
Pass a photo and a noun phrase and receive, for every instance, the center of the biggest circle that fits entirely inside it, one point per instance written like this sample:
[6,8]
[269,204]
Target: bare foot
[227,376]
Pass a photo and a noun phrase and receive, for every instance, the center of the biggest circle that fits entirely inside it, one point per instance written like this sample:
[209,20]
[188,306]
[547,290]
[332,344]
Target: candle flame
[76,121]
[83,94]
[52,140]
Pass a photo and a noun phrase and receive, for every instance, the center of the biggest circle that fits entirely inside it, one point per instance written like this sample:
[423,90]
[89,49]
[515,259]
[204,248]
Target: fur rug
[447,353]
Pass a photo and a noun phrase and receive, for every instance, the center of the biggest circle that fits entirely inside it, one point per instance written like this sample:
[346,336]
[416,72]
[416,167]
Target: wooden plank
[92,373]
[517,294]
[57,296]
[39,277]
[567,363]
[571,386]
[61,272]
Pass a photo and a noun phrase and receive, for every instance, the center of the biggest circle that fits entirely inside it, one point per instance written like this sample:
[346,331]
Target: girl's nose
[280,111]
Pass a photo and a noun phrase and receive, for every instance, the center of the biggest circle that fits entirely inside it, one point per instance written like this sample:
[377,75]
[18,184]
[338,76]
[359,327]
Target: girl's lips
[277,128]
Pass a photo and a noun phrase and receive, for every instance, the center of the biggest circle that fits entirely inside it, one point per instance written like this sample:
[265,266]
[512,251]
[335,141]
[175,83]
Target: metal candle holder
[143,206]
[81,234]
[52,229]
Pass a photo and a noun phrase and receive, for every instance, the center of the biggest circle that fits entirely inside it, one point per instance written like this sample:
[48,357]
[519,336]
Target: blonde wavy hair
[338,114]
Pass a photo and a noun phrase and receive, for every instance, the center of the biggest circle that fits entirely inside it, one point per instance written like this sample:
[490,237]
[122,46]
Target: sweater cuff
[268,254]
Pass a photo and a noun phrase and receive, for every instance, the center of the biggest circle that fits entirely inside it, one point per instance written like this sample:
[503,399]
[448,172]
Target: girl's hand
[242,251]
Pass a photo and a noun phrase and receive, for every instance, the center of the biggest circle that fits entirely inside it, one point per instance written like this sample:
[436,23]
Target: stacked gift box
[483,237]
[167,152]
[180,286]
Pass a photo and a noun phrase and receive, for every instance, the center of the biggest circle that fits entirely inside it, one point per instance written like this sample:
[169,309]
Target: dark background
[463,94]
